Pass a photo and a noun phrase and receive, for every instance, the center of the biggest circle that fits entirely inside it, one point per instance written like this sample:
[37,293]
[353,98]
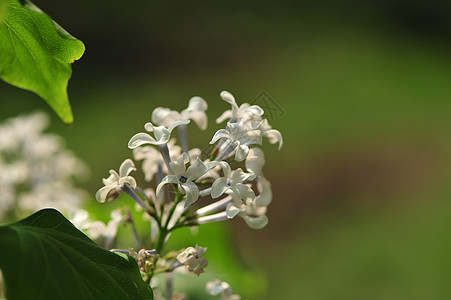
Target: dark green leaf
[45,257]
[36,54]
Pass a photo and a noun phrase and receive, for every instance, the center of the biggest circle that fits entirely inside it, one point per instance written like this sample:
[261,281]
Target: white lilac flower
[253,212]
[264,197]
[254,216]
[255,161]
[184,177]
[50,195]
[16,130]
[193,259]
[195,111]
[80,218]
[36,170]
[152,159]
[231,181]
[97,229]
[218,287]
[240,138]
[245,112]
[274,136]
[112,227]
[115,182]
[162,134]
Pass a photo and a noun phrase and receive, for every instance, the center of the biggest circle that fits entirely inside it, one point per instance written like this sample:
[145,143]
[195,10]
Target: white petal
[227,97]
[192,193]
[141,139]
[221,133]
[126,167]
[162,134]
[178,166]
[238,176]
[214,287]
[95,229]
[256,110]
[178,123]
[197,169]
[150,168]
[149,127]
[218,187]
[102,193]
[200,250]
[251,137]
[159,114]
[129,180]
[232,210]
[255,161]
[224,165]
[165,116]
[241,152]
[165,180]
[274,136]
[244,192]
[225,116]
[265,197]
[197,104]
[199,117]
[256,222]
[112,179]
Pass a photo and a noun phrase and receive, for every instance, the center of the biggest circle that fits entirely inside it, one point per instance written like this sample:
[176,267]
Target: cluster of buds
[194,187]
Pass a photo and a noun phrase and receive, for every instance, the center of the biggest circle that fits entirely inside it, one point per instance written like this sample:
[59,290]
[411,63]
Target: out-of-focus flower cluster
[193,187]
[36,169]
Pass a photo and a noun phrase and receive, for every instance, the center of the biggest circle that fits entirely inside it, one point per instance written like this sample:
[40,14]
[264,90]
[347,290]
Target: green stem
[161,237]
[178,198]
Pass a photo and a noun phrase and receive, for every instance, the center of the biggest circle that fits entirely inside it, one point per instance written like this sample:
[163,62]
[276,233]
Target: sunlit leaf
[36,54]
[45,257]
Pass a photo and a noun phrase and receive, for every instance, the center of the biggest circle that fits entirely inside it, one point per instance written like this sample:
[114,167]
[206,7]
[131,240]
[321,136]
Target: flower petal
[126,167]
[197,103]
[255,161]
[221,133]
[241,152]
[265,197]
[225,116]
[232,210]
[164,116]
[168,179]
[129,180]
[227,97]
[255,110]
[102,193]
[178,123]
[274,136]
[218,187]
[159,114]
[162,134]
[141,139]
[112,179]
[178,166]
[192,193]
[244,192]
[238,176]
[199,117]
[197,169]
[256,222]
[251,137]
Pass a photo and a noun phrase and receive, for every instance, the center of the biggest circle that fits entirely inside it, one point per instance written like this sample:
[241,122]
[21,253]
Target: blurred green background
[362,189]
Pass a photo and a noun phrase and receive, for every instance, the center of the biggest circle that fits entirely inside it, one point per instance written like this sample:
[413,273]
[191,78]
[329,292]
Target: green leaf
[45,257]
[36,54]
